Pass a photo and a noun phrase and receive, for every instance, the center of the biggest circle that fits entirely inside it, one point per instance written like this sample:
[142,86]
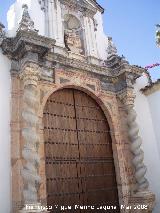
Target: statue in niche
[73,42]
[72,34]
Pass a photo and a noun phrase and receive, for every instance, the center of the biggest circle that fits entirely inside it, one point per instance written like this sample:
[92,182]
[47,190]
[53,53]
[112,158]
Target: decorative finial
[2,33]
[111,49]
[26,23]
[158,35]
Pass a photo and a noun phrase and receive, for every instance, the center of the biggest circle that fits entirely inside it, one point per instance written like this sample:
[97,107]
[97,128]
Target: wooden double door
[78,150]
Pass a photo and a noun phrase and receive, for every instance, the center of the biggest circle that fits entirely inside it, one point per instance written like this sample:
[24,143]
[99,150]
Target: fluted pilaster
[30,76]
[136,142]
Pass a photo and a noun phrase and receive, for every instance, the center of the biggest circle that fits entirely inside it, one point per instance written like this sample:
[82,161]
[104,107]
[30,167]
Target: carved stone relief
[73,34]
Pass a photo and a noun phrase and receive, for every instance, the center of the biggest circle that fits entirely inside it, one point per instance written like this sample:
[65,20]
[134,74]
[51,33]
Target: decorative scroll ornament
[2,33]
[26,23]
[136,141]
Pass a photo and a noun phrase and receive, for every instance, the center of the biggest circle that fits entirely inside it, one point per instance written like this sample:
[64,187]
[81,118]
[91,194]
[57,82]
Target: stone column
[30,77]
[140,195]
[136,142]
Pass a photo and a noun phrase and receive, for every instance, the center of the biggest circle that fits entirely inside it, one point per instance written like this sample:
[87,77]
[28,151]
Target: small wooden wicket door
[78,150]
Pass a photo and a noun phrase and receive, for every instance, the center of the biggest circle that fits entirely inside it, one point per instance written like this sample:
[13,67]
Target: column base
[142,201]
[33,208]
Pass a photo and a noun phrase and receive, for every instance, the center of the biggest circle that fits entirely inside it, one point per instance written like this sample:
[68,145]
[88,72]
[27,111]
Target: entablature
[28,47]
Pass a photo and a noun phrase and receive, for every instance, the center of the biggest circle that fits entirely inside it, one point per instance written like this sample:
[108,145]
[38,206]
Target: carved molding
[78,79]
[127,97]
[30,74]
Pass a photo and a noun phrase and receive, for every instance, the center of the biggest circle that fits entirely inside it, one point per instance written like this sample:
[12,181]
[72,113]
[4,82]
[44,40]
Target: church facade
[80,126]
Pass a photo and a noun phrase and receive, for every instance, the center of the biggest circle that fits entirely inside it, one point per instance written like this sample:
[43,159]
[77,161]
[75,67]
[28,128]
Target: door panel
[78,148]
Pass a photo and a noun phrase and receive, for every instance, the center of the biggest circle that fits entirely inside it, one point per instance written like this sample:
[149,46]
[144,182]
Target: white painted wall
[14,16]
[5,157]
[154,103]
[101,38]
[150,146]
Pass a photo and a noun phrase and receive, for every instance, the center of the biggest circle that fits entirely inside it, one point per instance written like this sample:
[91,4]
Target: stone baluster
[136,142]
[30,76]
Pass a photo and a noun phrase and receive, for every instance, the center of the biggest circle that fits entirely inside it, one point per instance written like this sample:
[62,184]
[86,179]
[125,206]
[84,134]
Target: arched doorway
[78,150]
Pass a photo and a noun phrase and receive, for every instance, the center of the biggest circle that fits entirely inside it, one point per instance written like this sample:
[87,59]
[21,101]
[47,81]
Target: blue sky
[131,25]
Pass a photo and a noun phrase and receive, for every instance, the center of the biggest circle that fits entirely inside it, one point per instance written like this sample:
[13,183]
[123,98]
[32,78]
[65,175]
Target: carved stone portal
[30,91]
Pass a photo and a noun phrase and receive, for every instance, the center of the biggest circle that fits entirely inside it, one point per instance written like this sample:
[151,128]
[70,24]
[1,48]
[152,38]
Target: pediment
[87,7]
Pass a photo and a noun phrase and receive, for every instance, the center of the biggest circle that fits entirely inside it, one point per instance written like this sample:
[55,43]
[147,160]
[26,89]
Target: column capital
[127,97]
[30,74]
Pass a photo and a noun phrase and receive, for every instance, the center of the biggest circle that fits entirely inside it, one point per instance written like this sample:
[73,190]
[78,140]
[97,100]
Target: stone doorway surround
[115,113]
[39,68]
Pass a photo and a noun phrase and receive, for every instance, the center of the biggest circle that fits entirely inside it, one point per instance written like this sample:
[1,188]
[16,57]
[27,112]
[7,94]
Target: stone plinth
[142,202]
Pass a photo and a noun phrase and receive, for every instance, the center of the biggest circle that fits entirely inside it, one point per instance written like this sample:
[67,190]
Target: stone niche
[73,35]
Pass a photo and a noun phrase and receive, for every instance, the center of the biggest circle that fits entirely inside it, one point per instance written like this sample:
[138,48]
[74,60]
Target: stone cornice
[76,64]
[101,9]
[119,65]
[150,89]
[133,72]
[25,41]
[137,70]
[72,3]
